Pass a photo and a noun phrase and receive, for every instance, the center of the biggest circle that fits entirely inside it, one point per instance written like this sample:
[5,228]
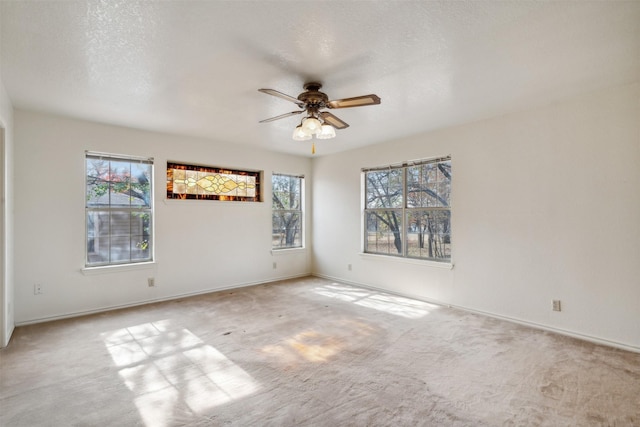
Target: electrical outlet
[556,305]
[151,282]
[275,265]
[37,289]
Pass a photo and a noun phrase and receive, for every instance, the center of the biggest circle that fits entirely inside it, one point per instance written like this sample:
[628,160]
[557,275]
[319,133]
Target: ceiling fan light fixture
[326,132]
[300,135]
[311,126]
[318,123]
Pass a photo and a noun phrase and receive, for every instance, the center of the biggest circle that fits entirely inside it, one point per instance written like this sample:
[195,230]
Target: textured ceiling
[193,68]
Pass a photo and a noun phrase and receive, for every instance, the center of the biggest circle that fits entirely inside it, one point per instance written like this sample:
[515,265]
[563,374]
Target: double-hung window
[286,210]
[408,210]
[119,209]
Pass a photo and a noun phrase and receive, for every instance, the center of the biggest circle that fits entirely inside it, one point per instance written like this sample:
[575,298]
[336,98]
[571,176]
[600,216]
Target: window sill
[289,251]
[402,260]
[103,269]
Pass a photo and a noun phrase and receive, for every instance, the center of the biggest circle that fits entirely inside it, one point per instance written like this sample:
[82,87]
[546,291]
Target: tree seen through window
[408,210]
[286,211]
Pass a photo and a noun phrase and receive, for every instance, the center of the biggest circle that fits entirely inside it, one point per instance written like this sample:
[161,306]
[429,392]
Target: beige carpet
[309,352]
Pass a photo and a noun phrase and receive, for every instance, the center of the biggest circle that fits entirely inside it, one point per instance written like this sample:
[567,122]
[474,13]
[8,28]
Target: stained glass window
[119,209]
[212,183]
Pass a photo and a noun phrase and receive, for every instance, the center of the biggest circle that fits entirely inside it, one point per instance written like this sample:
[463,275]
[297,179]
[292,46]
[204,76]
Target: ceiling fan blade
[281,116]
[333,120]
[357,101]
[282,95]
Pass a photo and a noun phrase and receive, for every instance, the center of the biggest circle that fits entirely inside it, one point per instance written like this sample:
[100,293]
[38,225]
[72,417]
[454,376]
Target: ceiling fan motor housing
[313,98]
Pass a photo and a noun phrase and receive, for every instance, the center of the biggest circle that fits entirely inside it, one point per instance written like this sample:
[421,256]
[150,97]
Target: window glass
[286,211]
[408,210]
[383,234]
[384,189]
[118,210]
[212,183]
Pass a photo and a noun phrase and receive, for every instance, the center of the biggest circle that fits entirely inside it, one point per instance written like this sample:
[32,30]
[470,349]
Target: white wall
[546,205]
[6,220]
[200,245]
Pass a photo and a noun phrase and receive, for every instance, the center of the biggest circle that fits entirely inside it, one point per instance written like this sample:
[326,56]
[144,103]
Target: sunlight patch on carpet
[392,304]
[311,345]
[171,370]
[315,347]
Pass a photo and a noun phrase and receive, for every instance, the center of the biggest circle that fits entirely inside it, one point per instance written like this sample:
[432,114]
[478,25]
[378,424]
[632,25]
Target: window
[212,183]
[408,210]
[287,211]
[119,209]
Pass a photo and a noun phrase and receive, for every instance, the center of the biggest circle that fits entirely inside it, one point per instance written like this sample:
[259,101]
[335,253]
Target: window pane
[286,192]
[444,193]
[384,189]
[97,182]
[415,185]
[384,232]
[429,234]
[141,235]
[140,184]
[119,183]
[118,236]
[120,250]
[286,230]
[97,237]
[140,248]
[120,223]
[429,185]
[439,184]
[432,196]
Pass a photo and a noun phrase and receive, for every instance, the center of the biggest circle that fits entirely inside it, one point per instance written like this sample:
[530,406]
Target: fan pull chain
[313,148]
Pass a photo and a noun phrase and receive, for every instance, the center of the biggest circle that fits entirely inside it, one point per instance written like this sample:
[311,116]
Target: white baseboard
[596,340]
[584,337]
[154,300]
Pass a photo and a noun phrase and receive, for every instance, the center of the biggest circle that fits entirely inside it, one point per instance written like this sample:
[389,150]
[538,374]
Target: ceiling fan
[321,124]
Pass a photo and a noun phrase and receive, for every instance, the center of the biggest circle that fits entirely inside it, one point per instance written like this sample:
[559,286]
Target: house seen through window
[287,211]
[408,210]
[119,209]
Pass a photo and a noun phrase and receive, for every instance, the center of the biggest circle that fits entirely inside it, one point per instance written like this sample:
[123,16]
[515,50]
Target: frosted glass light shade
[300,135]
[326,132]
[311,126]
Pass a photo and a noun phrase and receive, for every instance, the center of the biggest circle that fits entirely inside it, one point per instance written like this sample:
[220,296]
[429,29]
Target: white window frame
[299,212]
[149,209]
[403,211]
